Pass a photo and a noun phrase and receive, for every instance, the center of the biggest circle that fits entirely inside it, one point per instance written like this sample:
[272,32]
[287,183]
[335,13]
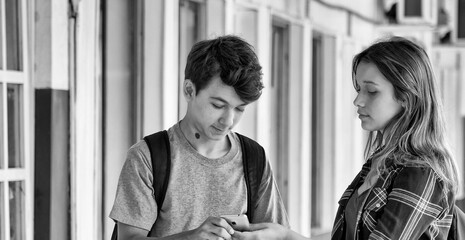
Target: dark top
[354,206]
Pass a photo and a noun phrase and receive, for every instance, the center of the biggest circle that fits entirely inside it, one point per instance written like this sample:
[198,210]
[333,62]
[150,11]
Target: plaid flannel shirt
[406,203]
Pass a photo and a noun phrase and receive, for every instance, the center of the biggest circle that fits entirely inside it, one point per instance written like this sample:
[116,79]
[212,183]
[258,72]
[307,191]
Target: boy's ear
[189,89]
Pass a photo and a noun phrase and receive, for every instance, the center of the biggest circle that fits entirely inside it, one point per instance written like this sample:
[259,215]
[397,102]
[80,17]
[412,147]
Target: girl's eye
[240,109]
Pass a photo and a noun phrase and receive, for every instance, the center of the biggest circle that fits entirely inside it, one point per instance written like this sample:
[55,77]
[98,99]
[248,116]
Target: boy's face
[215,110]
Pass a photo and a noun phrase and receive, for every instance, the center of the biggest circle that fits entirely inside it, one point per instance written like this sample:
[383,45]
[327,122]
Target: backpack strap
[253,158]
[159,146]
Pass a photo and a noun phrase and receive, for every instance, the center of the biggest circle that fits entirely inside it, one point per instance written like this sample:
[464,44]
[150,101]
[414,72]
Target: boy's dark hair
[230,57]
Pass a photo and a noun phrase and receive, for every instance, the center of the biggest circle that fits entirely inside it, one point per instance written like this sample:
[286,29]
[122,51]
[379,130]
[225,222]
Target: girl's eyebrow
[370,82]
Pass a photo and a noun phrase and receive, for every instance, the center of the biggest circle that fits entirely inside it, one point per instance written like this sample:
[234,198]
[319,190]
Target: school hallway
[83,80]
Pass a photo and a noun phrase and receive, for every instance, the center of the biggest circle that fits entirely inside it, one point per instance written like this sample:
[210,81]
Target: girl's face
[375,99]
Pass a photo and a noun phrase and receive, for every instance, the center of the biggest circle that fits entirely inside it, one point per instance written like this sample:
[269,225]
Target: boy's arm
[270,207]
[213,227]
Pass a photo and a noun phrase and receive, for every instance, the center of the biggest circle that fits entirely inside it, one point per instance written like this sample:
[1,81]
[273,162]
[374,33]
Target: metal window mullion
[13,174]
[26,125]
[5,125]
[4,89]
[3,34]
[6,196]
[14,77]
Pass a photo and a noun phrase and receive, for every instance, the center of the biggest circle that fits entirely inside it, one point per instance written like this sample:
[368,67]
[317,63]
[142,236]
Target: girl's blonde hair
[415,137]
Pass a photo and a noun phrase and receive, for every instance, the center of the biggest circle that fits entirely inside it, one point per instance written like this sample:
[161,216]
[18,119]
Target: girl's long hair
[415,137]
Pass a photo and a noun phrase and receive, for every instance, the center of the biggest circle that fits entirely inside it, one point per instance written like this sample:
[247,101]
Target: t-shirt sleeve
[270,207]
[134,202]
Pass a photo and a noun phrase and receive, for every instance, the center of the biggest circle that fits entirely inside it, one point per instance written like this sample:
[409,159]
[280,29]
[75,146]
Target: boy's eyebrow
[224,101]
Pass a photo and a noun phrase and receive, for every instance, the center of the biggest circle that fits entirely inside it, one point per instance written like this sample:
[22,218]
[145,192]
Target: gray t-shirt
[199,187]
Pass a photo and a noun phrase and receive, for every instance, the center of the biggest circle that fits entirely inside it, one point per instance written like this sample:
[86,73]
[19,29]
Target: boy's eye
[217,106]
[240,109]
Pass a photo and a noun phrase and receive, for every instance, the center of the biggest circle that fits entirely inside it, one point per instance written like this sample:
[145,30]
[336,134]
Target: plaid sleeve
[415,202]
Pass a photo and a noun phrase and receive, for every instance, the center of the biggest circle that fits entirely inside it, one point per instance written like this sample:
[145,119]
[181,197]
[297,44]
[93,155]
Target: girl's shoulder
[407,173]
[415,178]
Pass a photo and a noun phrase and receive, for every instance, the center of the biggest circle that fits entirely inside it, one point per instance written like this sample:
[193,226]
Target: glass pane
[2,210]
[2,138]
[317,59]
[15,120]
[17,214]
[461,19]
[413,8]
[13,35]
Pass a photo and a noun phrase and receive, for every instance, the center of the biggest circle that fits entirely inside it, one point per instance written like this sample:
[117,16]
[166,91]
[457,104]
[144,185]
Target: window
[461,20]
[15,177]
[412,8]
[14,123]
[323,123]
[192,28]
[417,11]
[316,182]
[13,37]
[279,101]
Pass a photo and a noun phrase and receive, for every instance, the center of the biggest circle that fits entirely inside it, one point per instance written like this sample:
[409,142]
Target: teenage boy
[222,77]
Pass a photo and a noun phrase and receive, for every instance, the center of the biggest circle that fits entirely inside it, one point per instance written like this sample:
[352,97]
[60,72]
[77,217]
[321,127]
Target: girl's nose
[358,101]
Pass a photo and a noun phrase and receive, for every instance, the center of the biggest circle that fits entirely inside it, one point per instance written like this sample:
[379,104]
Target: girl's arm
[416,200]
[268,231]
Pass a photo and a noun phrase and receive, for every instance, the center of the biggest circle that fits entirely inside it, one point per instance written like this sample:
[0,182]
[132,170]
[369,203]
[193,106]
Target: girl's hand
[266,231]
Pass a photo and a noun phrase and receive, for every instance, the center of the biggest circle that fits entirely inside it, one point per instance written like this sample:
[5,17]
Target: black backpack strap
[160,153]
[253,158]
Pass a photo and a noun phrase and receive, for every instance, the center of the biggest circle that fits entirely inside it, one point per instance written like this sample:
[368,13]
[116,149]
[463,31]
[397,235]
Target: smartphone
[239,222]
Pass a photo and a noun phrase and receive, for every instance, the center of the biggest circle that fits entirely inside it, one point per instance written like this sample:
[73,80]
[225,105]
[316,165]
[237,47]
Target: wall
[52,123]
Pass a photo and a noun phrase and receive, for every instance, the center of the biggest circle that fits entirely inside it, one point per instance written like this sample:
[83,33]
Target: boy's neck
[206,147]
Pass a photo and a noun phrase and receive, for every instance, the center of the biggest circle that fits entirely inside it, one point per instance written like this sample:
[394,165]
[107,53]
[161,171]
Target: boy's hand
[213,228]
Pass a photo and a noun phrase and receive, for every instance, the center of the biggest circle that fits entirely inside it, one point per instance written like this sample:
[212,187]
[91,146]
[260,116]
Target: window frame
[23,174]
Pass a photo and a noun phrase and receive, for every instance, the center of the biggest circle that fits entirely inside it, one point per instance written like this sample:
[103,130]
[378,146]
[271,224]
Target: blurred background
[83,80]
